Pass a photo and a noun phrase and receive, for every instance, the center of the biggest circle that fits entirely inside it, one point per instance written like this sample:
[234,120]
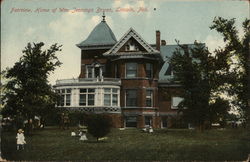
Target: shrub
[98,125]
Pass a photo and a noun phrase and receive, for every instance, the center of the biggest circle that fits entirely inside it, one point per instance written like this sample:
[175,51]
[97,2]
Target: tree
[98,125]
[205,76]
[201,74]
[238,50]
[218,111]
[27,91]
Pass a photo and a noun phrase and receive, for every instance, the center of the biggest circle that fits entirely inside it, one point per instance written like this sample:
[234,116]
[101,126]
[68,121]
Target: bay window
[87,97]
[131,70]
[131,98]
[65,97]
[110,97]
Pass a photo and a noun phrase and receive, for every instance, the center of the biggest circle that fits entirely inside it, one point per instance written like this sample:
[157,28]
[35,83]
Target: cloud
[214,42]
[30,31]
[124,7]
[69,30]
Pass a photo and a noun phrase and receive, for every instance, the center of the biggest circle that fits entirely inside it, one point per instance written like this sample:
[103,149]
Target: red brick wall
[141,72]
[165,95]
[116,119]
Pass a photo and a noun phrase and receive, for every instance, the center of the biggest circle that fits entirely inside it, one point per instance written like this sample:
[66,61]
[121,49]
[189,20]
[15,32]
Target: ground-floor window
[65,97]
[131,121]
[87,97]
[110,97]
[148,120]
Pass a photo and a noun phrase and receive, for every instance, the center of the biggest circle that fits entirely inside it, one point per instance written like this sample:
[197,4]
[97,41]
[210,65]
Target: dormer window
[131,46]
[127,48]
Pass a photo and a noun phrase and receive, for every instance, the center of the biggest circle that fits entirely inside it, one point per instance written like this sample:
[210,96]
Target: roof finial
[103,16]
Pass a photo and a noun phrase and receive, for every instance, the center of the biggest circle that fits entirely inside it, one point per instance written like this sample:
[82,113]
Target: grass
[131,144]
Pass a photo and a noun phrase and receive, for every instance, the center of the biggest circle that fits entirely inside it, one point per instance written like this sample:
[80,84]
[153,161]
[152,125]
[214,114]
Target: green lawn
[131,144]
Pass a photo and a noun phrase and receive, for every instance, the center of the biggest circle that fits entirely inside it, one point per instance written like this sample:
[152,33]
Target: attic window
[131,46]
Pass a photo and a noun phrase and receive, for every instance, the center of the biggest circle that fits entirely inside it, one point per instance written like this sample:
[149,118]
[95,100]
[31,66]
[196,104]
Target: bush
[98,125]
[77,118]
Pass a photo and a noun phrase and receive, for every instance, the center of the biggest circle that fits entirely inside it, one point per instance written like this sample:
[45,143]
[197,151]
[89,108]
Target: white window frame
[87,93]
[92,69]
[112,92]
[64,101]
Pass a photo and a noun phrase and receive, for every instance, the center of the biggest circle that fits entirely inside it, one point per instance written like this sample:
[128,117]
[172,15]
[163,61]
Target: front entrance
[164,122]
[130,121]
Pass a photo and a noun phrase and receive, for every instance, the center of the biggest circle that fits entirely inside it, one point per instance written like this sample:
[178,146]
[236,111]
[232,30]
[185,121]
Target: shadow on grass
[94,141]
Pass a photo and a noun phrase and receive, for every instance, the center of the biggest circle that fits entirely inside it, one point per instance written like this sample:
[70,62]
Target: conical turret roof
[101,36]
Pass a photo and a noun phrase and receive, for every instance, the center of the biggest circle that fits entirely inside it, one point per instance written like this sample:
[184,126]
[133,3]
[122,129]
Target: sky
[70,22]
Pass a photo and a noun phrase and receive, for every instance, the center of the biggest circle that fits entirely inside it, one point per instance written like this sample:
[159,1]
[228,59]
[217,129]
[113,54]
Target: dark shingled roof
[166,53]
[101,35]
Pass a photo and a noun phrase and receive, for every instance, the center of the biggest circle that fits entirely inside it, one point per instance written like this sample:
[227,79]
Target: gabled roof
[100,36]
[131,33]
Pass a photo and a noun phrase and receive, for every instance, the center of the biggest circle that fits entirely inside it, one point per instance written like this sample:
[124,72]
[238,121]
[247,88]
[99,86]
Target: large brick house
[128,79]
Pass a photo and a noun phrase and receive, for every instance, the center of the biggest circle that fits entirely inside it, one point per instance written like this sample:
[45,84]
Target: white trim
[99,96]
[131,33]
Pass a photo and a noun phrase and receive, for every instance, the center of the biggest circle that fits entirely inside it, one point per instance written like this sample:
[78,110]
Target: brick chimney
[158,40]
[163,42]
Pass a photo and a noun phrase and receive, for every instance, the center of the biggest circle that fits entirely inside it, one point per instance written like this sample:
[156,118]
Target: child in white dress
[83,136]
[20,139]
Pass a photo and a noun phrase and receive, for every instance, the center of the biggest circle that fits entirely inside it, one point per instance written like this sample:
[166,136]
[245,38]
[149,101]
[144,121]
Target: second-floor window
[117,73]
[149,98]
[175,102]
[131,70]
[89,72]
[131,98]
[149,70]
[94,71]
[87,97]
